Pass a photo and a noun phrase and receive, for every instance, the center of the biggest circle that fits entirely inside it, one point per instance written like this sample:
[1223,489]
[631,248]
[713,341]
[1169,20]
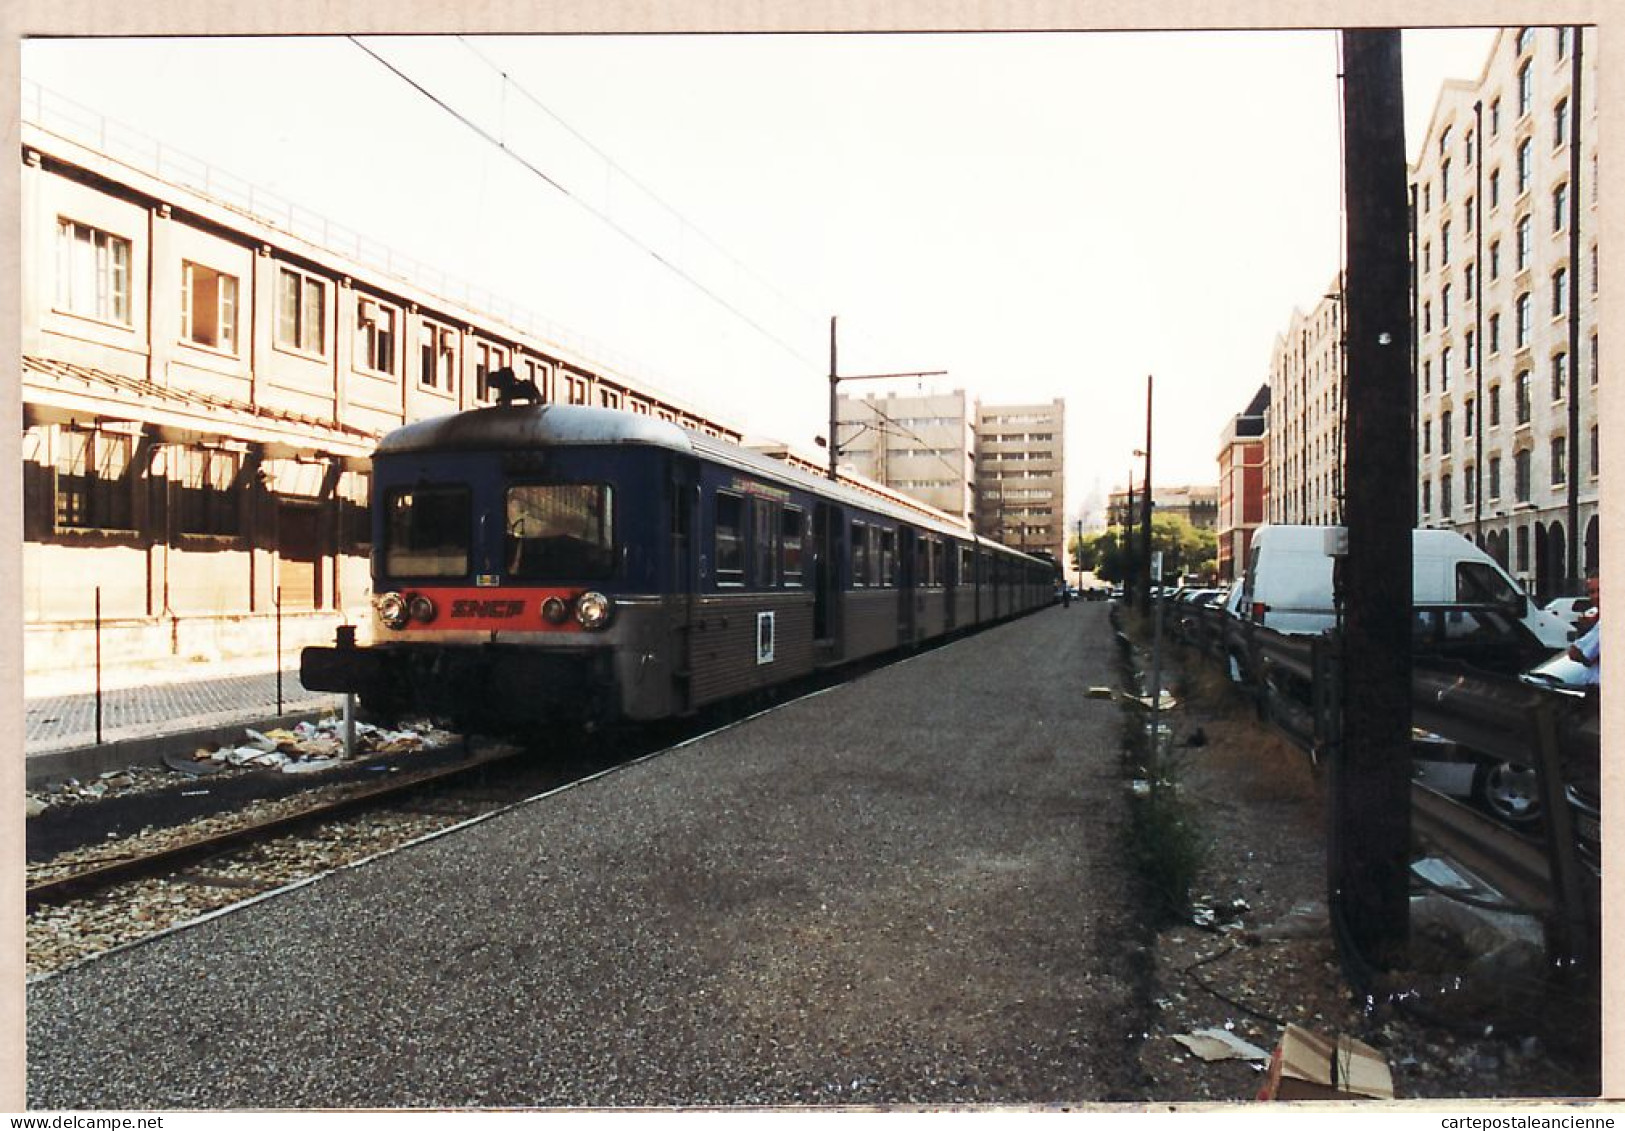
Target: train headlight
[592,610]
[392,610]
[420,608]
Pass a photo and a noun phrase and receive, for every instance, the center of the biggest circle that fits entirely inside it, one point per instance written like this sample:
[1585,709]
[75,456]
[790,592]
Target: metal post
[1576,119]
[279,651]
[1156,676]
[98,665]
[834,447]
[1146,493]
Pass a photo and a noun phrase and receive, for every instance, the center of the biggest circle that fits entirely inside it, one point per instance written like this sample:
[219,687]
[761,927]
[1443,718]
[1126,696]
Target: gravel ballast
[907,890]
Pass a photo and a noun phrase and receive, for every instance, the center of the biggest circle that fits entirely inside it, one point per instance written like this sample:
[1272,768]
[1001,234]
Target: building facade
[201,392]
[1021,476]
[1508,377]
[1304,418]
[923,445]
[1242,497]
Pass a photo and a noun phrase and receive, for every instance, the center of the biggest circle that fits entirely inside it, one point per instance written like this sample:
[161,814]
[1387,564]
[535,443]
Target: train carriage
[534,564]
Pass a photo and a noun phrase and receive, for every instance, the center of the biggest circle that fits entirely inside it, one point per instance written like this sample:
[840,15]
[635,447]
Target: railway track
[82,881]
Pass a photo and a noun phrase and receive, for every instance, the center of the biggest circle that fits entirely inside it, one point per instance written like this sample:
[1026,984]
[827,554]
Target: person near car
[1587,649]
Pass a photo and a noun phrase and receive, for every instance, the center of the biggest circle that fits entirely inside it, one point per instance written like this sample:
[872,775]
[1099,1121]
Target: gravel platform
[909,890]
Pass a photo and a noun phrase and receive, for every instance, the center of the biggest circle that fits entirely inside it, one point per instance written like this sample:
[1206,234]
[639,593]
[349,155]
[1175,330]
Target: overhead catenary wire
[597,213]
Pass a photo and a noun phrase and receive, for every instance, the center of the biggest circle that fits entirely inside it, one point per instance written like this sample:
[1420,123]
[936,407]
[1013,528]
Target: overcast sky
[1042,215]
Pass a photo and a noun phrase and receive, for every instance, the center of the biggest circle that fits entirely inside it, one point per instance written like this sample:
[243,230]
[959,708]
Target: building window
[300,302]
[1444,181]
[1526,90]
[1526,165]
[1495,406]
[1495,260]
[376,326]
[1495,118]
[1560,291]
[608,397]
[437,356]
[208,496]
[1444,245]
[1444,432]
[1593,358]
[1495,333]
[1467,146]
[1468,278]
[1521,397]
[1562,43]
[1523,549]
[1444,495]
[1467,354]
[540,374]
[1560,376]
[1526,40]
[208,307]
[1495,188]
[1444,369]
[1427,318]
[1560,464]
[1495,477]
[488,359]
[1522,233]
[1560,123]
[1521,337]
[1444,306]
[1427,437]
[1467,419]
[1520,476]
[1596,459]
[1427,496]
[1560,207]
[92,273]
[95,481]
[1469,486]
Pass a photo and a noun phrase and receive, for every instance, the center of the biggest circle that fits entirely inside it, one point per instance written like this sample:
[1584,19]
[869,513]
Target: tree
[1113,553]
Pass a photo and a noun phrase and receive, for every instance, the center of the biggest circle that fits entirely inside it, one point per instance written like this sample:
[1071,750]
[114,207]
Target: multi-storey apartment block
[1242,498]
[201,392]
[1304,418]
[923,445]
[1505,205]
[1021,476]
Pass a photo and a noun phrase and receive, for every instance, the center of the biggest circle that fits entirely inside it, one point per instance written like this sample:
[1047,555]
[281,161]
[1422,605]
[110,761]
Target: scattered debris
[1307,1066]
[1211,915]
[1220,1044]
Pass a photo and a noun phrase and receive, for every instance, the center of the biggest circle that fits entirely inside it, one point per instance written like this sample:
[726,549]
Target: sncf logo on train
[486,610]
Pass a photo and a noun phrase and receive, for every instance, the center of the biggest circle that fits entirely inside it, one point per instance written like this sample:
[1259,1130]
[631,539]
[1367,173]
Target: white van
[1288,583]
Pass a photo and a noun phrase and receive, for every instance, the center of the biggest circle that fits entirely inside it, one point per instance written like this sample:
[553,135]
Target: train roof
[515,426]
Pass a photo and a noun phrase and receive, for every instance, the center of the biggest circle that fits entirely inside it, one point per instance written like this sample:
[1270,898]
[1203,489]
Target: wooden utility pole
[1371,770]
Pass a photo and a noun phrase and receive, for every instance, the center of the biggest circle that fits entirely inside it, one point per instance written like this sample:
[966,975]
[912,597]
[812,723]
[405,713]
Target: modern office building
[923,445]
[1508,378]
[1021,476]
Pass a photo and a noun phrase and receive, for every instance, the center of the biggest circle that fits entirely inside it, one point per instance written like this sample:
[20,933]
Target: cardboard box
[1306,1066]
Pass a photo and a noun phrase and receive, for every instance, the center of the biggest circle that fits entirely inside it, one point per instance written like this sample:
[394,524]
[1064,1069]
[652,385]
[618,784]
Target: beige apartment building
[201,390]
[1304,418]
[1505,201]
[1021,476]
[923,445]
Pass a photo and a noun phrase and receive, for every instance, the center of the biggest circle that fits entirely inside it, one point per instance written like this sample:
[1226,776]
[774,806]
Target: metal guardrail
[1295,681]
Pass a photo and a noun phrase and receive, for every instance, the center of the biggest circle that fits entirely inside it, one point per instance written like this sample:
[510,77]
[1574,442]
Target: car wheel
[1509,791]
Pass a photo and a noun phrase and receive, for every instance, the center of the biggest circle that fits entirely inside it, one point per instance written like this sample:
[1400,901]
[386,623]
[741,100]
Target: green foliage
[1114,553]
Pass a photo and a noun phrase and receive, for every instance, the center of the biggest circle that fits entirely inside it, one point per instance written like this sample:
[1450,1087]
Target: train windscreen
[560,532]
[428,532]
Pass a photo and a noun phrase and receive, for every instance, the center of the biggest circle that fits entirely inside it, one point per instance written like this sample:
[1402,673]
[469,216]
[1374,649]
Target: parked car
[1576,612]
